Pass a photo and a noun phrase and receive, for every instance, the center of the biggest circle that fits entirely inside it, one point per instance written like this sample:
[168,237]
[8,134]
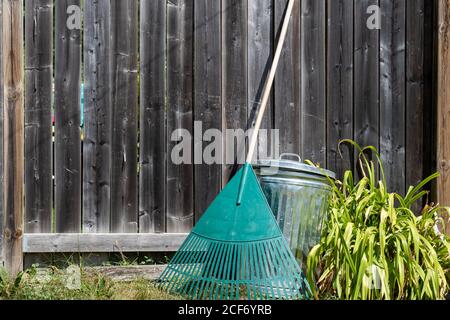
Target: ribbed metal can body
[299,199]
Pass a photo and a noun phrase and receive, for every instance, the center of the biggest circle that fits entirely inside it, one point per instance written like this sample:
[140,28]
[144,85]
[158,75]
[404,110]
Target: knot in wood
[444,165]
[18,234]
[13,94]
[7,234]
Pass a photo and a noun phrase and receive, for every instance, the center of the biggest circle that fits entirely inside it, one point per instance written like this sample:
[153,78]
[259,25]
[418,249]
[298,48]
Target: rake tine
[209,266]
[198,272]
[203,270]
[217,270]
[238,271]
[264,269]
[256,272]
[171,271]
[273,267]
[182,261]
[210,282]
[282,270]
[193,265]
[228,270]
[222,274]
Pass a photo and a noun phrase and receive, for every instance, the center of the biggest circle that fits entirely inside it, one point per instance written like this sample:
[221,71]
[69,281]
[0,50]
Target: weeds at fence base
[31,285]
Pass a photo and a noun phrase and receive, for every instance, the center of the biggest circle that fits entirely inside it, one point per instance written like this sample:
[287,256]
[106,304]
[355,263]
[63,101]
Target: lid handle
[292,155]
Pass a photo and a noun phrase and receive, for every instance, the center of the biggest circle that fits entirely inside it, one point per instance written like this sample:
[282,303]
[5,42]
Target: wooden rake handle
[269,82]
[265,100]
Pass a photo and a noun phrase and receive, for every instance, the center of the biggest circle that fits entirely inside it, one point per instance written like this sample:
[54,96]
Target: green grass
[55,285]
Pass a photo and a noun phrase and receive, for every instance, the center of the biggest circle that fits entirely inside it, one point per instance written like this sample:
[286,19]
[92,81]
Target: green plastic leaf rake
[237,250]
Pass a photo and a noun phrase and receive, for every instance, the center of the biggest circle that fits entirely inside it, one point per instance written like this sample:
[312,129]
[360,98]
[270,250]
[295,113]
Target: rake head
[236,251]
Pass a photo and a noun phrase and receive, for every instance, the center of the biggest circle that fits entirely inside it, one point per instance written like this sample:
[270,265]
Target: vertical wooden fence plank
[97,117]
[313,84]
[340,85]
[13,135]
[67,118]
[260,43]
[287,105]
[415,39]
[366,77]
[152,185]
[443,90]
[124,65]
[234,81]
[207,101]
[429,91]
[2,89]
[180,206]
[38,115]
[392,92]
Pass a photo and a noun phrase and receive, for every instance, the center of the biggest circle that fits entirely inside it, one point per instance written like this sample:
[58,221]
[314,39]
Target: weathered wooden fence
[150,67]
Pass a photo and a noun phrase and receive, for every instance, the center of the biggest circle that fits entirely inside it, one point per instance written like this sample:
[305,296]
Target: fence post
[13,135]
[443,97]
[1,133]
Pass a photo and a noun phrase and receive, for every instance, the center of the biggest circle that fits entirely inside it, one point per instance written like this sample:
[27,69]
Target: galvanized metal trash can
[298,195]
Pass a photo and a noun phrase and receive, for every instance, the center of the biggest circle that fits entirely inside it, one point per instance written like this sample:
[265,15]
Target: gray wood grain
[38,115]
[124,65]
[260,47]
[101,243]
[207,100]
[420,95]
[415,78]
[287,102]
[180,196]
[340,85]
[366,78]
[152,183]
[67,121]
[313,84]
[430,134]
[234,81]
[392,92]
[97,117]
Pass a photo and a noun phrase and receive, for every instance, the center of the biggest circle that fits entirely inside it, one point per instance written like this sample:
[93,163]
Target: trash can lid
[294,166]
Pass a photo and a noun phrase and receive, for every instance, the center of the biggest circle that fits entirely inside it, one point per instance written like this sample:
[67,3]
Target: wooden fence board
[67,120]
[101,243]
[415,55]
[392,92]
[234,81]
[2,215]
[207,101]
[429,95]
[152,184]
[443,97]
[13,136]
[180,207]
[97,117]
[366,78]
[313,85]
[38,115]
[340,85]
[287,104]
[260,47]
[124,65]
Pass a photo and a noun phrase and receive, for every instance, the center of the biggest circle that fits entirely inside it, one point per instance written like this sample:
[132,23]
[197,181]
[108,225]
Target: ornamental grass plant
[374,246]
